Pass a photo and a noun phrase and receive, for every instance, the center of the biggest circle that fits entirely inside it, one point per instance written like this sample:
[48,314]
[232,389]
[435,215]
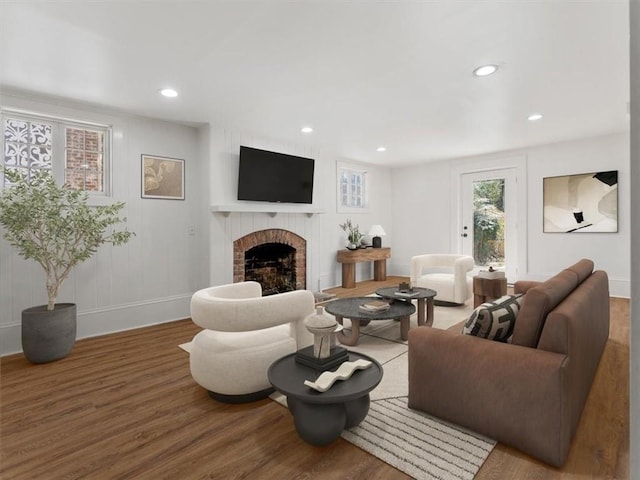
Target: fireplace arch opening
[275,258]
[273,265]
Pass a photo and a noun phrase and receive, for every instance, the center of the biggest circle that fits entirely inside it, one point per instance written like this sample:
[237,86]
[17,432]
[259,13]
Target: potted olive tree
[55,226]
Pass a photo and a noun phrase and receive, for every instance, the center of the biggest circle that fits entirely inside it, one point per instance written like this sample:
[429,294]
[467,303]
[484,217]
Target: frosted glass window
[352,188]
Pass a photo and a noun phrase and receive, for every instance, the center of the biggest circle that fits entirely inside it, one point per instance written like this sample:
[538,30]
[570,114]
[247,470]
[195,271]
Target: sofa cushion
[494,320]
[538,302]
[582,269]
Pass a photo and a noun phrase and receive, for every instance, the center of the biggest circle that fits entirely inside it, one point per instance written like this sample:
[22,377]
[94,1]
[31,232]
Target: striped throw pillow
[494,320]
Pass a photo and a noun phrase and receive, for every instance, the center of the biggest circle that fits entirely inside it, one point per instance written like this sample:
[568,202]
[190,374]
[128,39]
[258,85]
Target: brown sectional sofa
[529,393]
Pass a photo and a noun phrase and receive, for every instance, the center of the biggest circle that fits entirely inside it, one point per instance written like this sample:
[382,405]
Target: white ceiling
[362,74]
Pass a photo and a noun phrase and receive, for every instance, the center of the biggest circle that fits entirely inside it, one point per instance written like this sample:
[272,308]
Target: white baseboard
[111,319]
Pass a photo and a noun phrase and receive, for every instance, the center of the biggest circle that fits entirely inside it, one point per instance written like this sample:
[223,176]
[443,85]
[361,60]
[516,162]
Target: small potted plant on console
[353,234]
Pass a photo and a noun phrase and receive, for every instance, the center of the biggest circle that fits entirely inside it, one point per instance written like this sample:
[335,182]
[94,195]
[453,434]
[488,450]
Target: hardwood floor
[124,406]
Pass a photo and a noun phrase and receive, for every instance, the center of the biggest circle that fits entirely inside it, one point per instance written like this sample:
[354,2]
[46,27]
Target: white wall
[422,212]
[425,208]
[609,251]
[150,279]
[321,231]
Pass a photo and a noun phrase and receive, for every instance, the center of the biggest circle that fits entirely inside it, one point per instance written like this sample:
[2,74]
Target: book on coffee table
[375,306]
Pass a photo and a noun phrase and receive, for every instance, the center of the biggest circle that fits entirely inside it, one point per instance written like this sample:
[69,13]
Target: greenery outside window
[76,153]
[352,188]
[489,223]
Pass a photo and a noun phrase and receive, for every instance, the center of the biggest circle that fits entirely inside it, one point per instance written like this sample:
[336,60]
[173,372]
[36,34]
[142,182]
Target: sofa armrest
[462,265]
[416,267]
[513,394]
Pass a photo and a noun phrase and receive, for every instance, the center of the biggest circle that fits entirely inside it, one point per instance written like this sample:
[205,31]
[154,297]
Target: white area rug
[417,444]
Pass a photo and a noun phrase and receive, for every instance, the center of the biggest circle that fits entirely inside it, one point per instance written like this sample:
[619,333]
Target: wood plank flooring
[124,406]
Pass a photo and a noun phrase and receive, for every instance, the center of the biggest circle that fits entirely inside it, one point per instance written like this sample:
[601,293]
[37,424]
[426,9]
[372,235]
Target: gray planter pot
[48,335]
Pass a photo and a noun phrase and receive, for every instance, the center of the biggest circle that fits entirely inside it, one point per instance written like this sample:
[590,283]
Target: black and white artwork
[582,203]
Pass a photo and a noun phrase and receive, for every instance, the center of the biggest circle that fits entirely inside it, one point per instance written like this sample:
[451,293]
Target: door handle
[464,235]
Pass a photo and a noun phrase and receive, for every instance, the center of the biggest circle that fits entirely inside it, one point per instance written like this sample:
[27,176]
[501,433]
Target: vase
[352,246]
[48,335]
[323,327]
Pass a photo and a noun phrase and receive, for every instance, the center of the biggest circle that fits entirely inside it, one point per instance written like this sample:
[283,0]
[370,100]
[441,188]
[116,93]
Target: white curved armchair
[244,333]
[444,273]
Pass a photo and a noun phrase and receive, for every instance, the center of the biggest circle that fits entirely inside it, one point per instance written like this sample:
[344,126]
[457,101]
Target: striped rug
[417,444]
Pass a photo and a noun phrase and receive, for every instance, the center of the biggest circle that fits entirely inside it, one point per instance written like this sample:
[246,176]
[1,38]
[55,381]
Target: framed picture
[581,203]
[162,177]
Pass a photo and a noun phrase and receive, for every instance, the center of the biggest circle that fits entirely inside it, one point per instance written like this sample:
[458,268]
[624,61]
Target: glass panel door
[489,224]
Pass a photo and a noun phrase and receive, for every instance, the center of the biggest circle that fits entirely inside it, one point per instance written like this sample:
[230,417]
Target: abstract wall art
[581,203]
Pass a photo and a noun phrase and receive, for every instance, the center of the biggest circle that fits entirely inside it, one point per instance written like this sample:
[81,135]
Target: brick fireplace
[275,258]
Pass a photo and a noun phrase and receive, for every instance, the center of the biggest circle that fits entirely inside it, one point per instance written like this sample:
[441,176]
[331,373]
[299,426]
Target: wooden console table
[349,258]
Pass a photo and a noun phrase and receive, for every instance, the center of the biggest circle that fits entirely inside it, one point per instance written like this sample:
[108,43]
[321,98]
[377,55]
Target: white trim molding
[116,318]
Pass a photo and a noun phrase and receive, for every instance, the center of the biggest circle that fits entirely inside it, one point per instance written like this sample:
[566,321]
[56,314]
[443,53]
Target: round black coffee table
[424,296]
[320,418]
[350,308]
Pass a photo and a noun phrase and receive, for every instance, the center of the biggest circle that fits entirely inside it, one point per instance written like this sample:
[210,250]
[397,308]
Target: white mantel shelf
[271,210]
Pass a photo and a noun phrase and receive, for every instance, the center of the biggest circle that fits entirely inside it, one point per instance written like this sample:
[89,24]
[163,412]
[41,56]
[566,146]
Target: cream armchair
[243,334]
[444,273]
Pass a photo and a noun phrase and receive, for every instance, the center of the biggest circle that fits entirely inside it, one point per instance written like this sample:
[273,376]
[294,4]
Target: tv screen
[265,176]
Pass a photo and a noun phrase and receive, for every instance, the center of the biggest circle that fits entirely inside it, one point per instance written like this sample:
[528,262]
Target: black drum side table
[319,417]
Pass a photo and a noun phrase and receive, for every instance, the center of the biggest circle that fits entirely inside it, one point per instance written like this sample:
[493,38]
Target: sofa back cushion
[538,302]
[582,269]
[581,320]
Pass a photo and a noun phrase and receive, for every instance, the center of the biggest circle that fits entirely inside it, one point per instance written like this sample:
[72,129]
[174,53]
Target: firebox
[275,258]
[273,265]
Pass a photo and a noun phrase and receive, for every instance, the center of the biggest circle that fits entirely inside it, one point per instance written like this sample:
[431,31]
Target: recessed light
[534,116]
[485,70]
[381,149]
[168,92]
[306,129]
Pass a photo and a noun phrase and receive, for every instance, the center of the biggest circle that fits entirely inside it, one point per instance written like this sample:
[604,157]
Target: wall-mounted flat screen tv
[265,176]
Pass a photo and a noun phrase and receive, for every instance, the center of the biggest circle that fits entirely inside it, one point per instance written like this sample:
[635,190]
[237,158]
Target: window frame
[351,169]
[58,145]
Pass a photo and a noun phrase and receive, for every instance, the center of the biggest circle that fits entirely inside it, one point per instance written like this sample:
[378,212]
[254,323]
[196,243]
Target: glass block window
[352,187]
[27,145]
[76,154]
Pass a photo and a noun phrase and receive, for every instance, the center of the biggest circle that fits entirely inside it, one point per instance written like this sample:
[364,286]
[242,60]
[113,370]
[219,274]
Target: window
[27,145]
[75,153]
[84,157]
[352,188]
